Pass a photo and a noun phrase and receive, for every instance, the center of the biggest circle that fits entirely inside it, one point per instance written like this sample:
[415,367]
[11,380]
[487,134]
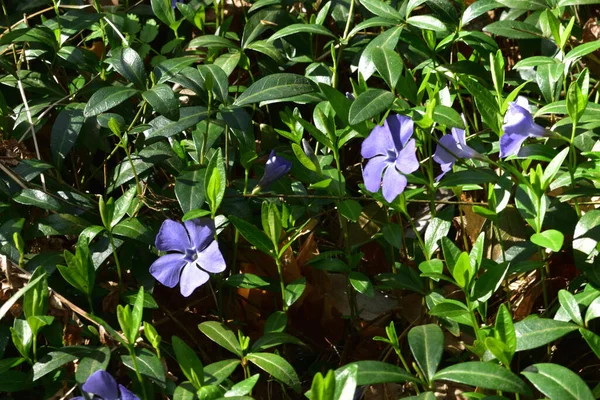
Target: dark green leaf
[164,127]
[427,345]
[557,382]
[35,197]
[149,366]
[189,362]
[275,87]
[163,101]
[534,332]
[277,366]
[106,98]
[127,62]
[221,335]
[369,104]
[484,375]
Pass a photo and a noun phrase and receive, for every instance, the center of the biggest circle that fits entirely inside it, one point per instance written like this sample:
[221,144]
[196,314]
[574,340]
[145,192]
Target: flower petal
[446,150]
[201,231]
[211,259]
[102,384]
[394,183]
[378,143]
[192,277]
[407,162]
[372,173]
[166,269]
[275,168]
[401,127]
[510,144]
[523,102]
[172,237]
[126,394]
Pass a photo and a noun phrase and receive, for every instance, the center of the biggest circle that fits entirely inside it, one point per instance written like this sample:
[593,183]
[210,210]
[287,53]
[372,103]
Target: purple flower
[195,251]
[518,126]
[104,387]
[392,153]
[451,148]
[275,168]
[174,3]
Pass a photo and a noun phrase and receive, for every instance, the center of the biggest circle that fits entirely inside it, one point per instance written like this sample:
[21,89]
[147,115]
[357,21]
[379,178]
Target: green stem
[573,166]
[205,141]
[117,263]
[281,283]
[137,371]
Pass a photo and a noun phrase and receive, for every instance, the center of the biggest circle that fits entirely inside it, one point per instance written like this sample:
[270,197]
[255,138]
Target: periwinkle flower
[275,168]
[451,148]
[194,252]
[518,126]
[391,153]
[104,387]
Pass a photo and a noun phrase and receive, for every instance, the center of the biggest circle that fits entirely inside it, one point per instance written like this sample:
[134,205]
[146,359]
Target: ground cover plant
[334,200]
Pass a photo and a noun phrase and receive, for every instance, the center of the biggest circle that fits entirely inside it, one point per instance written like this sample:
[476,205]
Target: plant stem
[281,283]
[137,371]
[117,263]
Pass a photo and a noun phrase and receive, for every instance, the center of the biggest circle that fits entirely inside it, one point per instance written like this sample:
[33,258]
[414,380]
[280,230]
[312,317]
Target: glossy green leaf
[373,372]
[252,234]
[314,29]
[190,364]
[164,127]
[148,364]
[217,372]
[221,335]
[369,104]
[57,358]
[557,382]
[426,22]
[106,98]
[273,339]
[381,9]
[569,303]
[427,345]
[163,101]
[513,30]
[361,283]
[294,290]
[127,62]
[278,367]
[389,65]
[275,87]
[534,332]
[96,360]
[484,375]
[65,131]
[37,198]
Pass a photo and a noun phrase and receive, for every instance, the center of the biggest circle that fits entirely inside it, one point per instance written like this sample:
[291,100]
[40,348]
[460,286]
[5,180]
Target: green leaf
[314,29]
[276,322]
[56,359]
[581,51]
[549,239]
[568,302]
[213,73]
[557,382]
[133,228]
[565,3]
[190,364]
[106,98]
[514,30]
[96,360]
[388,39]
[426,22]
[469,177]
[373,372]
[448,116]
[345,382]
[294,290]
[389,65]
[212,42]
[437,229]
[37,34]
[188,117]
[221,335]
[275,87]
[273,339]
[65,131]
[452,309]
[323,388]
[149,366]
[484,375]
[553,167]
[593,310]
[136,315]
[163,101]
[268,49]
[477,9]
[277,366]
[370,104]
[382,9]
[487,284]
[168,69]
[504,329]
[185,391]
[534,332]
[246,281]
[350,209]
[524,4]
[592,340]
[217,372]
[127,62]
[15,297]
[463,271]
[427,345]
[35,197]
[163,11]
[215,181]
[252,234]
[361,283]
[244,387]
